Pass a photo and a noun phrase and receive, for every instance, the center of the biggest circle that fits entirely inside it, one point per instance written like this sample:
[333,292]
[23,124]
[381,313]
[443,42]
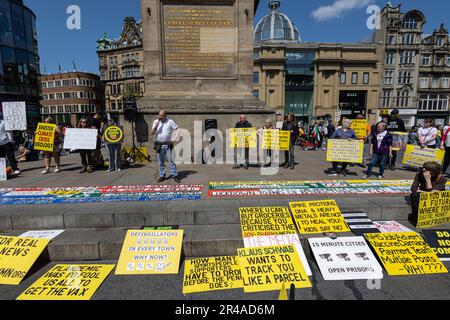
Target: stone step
[204,212]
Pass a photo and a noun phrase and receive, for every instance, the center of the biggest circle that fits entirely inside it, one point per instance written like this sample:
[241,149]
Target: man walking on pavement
[164,129]
[394,124]
[238,161]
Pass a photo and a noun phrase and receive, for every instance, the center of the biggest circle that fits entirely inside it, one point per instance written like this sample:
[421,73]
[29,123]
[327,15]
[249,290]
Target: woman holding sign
[55,153]
[381,150]
[343,132]
[87,156]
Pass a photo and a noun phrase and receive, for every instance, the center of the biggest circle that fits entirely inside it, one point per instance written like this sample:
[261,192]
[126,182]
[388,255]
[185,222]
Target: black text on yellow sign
[210,274]
[17,256]
[114,134]
[434,209]
[266,221]
[267,268]
[318,217]
[405,253]
[68,282]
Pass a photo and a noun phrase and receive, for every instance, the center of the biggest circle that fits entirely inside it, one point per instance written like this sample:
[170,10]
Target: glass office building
[19,59]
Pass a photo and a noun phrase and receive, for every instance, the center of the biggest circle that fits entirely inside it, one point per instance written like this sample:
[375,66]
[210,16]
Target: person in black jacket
[394,124]
[243,123]
[290,125]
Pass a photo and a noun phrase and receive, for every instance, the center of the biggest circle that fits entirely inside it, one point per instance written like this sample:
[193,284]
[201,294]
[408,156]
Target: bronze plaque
[199,40]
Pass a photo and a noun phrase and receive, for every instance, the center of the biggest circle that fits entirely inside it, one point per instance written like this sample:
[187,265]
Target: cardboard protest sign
[139,158]
[17,256]
[360,128]
[390,226]
[211,274]
[439,241]
[42,234]
[434,209]
[278,240]
[399,141]
[405,253]
[318,217]
[45,137]
[359,223]
[267,268]
[68,282]
[346,258]
[3,174]
[243,138]
[150,252]
[15,116]
[266,221]
[276,140]
[113,134]
[416,156]
[161,228]
[80,139]
[343,150]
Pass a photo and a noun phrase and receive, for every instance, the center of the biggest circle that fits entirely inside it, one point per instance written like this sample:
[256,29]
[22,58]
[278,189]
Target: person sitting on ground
[381,149]
[26,155]
[343,132]
[429,179]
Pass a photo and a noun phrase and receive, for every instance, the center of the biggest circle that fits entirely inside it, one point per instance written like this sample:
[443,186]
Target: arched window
[409,23]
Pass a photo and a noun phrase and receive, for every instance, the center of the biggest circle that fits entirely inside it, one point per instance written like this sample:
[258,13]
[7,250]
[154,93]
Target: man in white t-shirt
[164,129]
[428,134]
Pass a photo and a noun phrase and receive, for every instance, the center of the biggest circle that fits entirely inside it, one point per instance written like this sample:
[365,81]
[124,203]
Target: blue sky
[60,46]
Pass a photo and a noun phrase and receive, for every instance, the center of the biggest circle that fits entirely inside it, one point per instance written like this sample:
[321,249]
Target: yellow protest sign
[17,256]
[344,150]
[360,128]
[139,158]
[434,209]
[276,140]
[399,140]
[45,137]
[243,138]
[404,253]
[318,217]
[150,252]
[416,156]
[210,274]
[113,134]
[283,293]
[266,221]
[68,282]
[267,268]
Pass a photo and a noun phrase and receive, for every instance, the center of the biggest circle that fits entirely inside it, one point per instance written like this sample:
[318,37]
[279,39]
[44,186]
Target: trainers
[332,173]
[83,170]
[47,170]
[90,169]
[119,170]
[364,176]
[57,170]
[380,177]
[177,180]
[15,173]
[160,179]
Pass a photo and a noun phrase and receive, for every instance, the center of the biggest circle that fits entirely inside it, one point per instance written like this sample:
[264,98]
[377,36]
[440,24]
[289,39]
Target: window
[447,61]
[366,78]
[113,74]
[435,83]
[409,23]
[256,93]
[433,102]
[391,39]
[115,89]
[424,83]
[132,72]
[51,84]
[67,109]
[60,109]
[408,38]
[403,98]
[446,83]
[354,78]
[343,78]
[390,58]
[405,77]
[407,56]
[65,83]
[43,84]
[66,95]
[440,41]
[44,97]
[386,98]
[59,96]
[113,105]
[438,61]
[113,61]
[255,77]
[6,30]
[19,26]
[51,96]
[426,60]
[388,77]
[103,75]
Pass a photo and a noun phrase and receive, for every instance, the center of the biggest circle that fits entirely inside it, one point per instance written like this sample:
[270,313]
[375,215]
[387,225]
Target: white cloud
[336,9]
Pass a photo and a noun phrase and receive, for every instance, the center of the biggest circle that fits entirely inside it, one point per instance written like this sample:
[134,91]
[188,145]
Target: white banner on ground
[80,139]
[390,226]
[42,234]
[3,175]
[15,116]
[278,240]
[346,258]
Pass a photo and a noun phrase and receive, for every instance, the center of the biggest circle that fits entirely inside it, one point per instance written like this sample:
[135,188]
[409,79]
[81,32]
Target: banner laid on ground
[266,221]
[32,196]
[15,116]
[276,140]
[68,282]
[80,139]
[405,253]
[17,256]
[150,252]
[359,223]
[307,188]
[42,234]
[439,241]
[399,141]
[243,138]
[318,217]
[267,268]
[113,134]
[416,156]
[343,150]
[278,240]
[211,274]
[390,226]
[346,258]
[3,174]
[45,137]
[434,209]
[360,128]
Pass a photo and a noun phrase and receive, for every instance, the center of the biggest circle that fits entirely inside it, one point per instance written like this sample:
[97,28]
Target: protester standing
[331,129]
[267,154]
[290,125]
[394,124]
[7,148]
[114,151]
[56,149]
[87,156]
[380,150]
[344,132]
[98,122]
[241,160]
[413,136]
[445,145]
[164,128]
[428,135]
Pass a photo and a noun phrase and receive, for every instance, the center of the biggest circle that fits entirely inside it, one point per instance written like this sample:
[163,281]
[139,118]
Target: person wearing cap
[394,124]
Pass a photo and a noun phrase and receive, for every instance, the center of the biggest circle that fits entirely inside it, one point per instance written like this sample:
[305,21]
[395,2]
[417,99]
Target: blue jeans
[165,150]
[375,158]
